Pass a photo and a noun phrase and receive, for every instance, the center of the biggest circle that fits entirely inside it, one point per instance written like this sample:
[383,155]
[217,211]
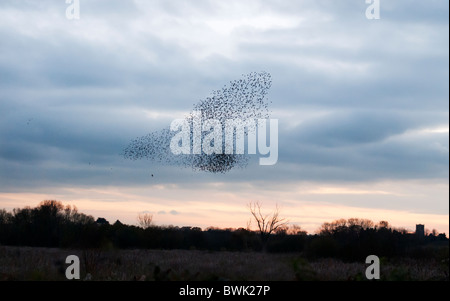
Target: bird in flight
[242,99]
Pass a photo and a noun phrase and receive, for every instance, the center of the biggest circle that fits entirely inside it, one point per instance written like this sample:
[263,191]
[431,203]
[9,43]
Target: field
[26,263]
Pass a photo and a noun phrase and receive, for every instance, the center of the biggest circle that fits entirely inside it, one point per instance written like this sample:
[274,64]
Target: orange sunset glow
[308,205]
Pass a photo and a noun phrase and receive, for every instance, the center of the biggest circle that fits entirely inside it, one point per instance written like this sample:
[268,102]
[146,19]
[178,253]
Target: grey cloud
[416,11]
[87,97]
[361,126]
[109,8]
[172,212]
[395,158]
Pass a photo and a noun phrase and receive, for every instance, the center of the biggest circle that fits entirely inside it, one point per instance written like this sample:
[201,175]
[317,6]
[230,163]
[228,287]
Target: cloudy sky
[362,107]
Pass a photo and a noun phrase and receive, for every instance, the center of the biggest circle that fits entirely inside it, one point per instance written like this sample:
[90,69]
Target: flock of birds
[241,100]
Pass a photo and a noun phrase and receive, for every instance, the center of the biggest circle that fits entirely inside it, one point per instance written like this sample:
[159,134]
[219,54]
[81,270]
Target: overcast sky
[362,107]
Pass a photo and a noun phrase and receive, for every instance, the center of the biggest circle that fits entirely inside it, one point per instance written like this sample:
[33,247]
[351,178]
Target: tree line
[51,224]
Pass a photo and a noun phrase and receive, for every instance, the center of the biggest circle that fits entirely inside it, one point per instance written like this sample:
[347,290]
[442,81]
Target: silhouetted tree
[296,230]
[51,224]
[267,224]
[383,224]
[102,221]
[145,220]
[5,217]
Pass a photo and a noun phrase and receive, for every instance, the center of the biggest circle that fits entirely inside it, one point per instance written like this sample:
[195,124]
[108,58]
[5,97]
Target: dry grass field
[26,263]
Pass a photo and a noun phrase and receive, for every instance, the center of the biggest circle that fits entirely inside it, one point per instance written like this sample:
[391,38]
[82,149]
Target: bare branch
[267,224]
[145,220]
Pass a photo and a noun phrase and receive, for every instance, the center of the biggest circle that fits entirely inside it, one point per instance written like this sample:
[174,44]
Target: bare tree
[383,224]
[145,220]
[267,224]
[296,230]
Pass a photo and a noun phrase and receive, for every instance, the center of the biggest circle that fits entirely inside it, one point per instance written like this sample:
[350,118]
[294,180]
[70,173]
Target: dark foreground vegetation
[342,244]
[32,263]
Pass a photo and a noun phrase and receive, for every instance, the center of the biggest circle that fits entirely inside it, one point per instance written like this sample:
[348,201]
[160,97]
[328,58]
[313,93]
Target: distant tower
[420,230]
